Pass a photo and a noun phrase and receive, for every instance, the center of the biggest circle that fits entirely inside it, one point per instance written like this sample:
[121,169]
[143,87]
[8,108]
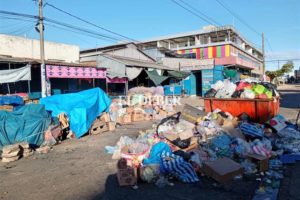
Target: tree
[286,68]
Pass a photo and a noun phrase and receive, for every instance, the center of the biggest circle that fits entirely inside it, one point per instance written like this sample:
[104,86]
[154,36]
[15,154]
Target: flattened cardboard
[223,169]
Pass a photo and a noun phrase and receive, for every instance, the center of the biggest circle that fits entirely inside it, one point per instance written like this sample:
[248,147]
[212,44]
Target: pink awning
[56,71]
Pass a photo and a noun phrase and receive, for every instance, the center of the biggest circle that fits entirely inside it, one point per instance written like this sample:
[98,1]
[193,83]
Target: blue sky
[144,19]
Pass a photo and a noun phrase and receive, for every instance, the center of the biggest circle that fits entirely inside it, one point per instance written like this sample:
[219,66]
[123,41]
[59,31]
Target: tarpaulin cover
[14,75]
[155,77]
[11,100]
[178,74]
[26,124]
[82,108]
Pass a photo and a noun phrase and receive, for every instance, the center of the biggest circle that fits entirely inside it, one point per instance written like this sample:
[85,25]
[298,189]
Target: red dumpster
[260,110]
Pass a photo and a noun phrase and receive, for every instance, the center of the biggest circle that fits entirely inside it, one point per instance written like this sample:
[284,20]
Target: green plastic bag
[269,94]
[259,89]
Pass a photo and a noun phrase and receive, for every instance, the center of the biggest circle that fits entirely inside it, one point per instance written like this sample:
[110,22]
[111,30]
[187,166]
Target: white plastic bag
[248,94]
[218,85]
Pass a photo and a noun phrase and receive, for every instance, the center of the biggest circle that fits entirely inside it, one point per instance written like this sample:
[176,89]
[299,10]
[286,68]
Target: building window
[190,55]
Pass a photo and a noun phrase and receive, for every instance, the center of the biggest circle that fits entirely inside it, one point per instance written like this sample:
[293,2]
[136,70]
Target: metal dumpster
[260,110]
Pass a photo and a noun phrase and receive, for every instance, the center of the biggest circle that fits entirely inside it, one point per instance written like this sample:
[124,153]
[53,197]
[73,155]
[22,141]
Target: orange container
[260,110]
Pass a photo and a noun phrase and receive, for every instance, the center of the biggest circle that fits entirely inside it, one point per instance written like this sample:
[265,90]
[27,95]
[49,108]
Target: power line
[80,29]
[59,27]
[61,24]
[198,11]
[19,14]
[292,59]
[90,23]
[236,16]
[192,12]
[245,23]
[78,32]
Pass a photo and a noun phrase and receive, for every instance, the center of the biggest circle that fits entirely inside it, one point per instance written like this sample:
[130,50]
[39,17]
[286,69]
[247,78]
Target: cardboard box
[192,114]
[127,177]
[163,114]
[111,126]
[129,110]
[137,117]
[148,117]
[262,162]
[222,170]
[105,117]
[125,119]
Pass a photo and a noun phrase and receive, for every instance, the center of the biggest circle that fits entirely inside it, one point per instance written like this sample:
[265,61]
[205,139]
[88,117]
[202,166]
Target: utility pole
[263,51]
[42,52]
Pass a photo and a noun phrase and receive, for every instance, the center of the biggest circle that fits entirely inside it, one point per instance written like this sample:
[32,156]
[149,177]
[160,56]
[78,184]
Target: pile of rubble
[192,144]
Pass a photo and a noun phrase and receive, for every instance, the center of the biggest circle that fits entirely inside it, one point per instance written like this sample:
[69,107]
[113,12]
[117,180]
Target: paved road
[80,169]
[290,105]
[290,101]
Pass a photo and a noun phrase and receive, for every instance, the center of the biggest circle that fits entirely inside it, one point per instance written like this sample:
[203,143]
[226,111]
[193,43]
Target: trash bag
[186,156]
[227,90]
[150,173]
[218,85]
[243,85]
[271,87]
[237,93]
[182,143]
[210,93]
[168,121]
[259,89]
[244,117]
[248,94]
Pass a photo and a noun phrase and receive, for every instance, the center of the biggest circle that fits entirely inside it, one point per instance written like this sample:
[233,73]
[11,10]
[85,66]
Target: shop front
[63,78]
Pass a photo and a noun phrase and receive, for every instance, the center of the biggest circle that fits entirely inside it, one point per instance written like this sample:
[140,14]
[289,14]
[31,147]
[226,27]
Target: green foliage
[286,68]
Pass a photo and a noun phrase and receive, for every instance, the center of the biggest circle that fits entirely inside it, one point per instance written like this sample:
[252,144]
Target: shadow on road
[206,189]
[290,100]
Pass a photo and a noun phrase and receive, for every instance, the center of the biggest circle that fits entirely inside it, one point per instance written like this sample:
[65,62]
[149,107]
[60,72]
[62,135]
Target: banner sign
[55,71]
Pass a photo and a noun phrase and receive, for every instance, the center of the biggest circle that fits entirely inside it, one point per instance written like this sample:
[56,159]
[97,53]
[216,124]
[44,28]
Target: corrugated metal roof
[136,63]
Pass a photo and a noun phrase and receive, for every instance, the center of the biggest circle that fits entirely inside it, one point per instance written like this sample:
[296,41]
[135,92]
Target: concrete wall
[21,47]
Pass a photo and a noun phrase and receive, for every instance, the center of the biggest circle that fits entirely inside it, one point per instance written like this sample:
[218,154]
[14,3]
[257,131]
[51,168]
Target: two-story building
[205,52]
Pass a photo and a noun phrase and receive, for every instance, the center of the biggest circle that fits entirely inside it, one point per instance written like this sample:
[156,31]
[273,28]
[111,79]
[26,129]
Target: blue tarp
[82,108]
[11,100]
[27,124]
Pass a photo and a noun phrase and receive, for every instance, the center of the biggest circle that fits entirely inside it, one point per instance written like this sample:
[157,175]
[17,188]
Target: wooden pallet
[7,108]
[98,127]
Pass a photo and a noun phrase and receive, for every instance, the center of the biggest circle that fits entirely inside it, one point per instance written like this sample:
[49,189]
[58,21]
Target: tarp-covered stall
[26,124]
[82,108]
[14,75]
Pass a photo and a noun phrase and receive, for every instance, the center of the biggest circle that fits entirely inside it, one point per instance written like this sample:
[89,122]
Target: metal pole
[106,86]
[8,88]
[263,51]
[42,52]
[29,86]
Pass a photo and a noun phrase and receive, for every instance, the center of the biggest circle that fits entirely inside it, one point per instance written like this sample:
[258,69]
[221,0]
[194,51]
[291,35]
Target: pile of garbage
[242,89]
[142,104]
[74,115]
[190,145]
